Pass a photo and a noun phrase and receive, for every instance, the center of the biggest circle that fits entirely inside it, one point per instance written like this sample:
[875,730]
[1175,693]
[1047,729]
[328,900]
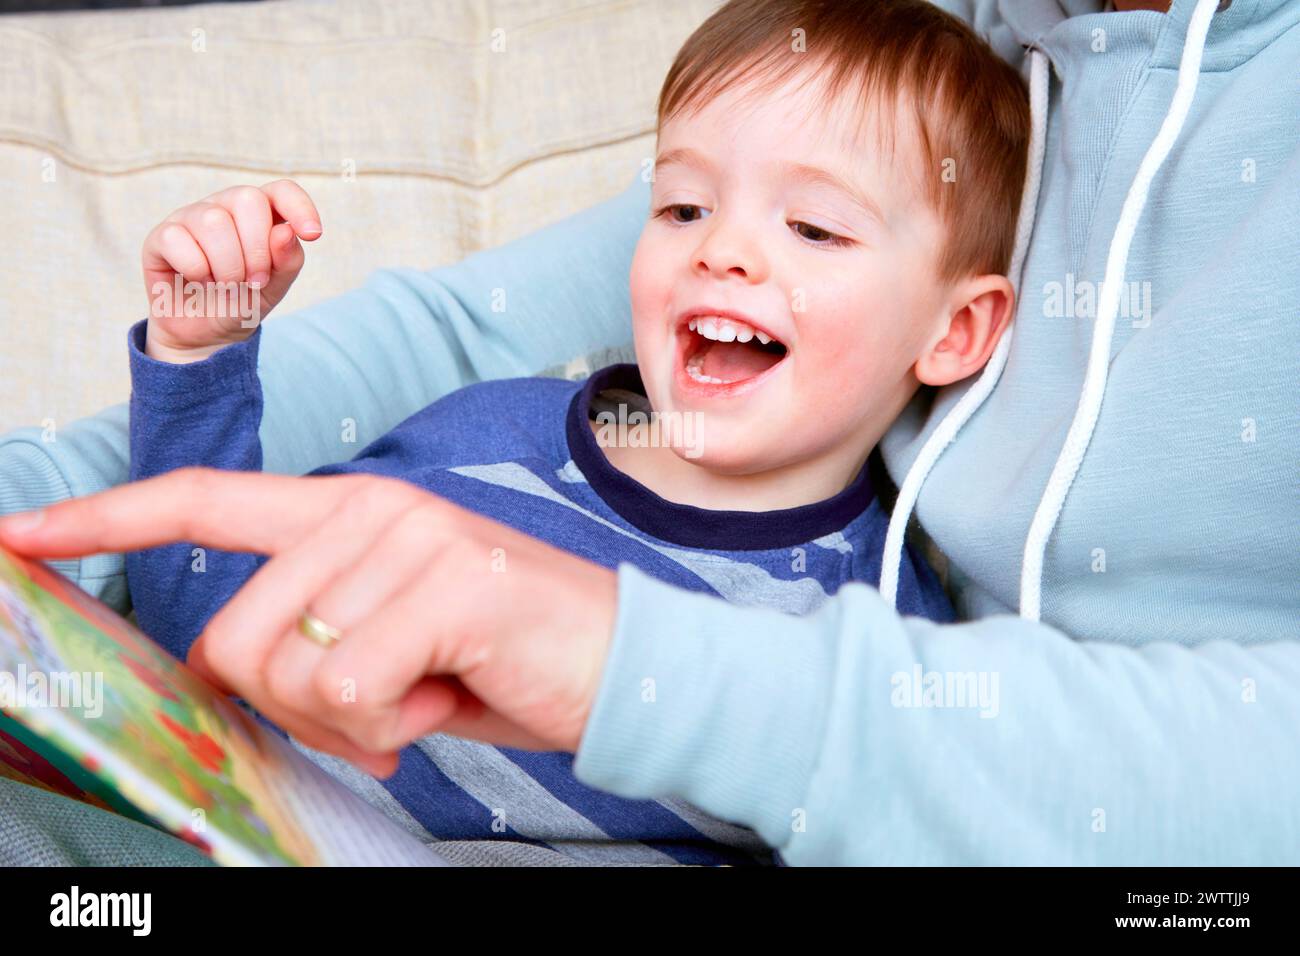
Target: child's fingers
[170,249]
[287,254]
[214,229]
[251,212]
[291,202]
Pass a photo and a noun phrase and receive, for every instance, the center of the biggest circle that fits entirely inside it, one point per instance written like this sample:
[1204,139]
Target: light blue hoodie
[1152,715]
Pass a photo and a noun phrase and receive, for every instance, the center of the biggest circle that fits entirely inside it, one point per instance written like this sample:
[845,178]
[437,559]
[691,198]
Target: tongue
[734,361]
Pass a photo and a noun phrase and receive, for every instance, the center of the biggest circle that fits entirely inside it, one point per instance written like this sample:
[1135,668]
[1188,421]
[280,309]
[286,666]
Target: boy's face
[846,289]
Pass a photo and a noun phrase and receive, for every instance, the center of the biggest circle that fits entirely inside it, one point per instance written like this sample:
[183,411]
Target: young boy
[834,199]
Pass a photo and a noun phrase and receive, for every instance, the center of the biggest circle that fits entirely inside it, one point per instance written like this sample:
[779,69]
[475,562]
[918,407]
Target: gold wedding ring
[317,630]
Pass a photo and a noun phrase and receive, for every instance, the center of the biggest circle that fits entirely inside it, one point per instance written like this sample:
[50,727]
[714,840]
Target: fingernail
[23,521]
[258,279]
[310,226]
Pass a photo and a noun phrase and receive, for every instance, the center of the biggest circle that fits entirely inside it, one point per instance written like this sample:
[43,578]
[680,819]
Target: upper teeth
[725,330]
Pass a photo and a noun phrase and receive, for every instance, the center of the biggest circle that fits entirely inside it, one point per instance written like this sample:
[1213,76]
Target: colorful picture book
[92,709]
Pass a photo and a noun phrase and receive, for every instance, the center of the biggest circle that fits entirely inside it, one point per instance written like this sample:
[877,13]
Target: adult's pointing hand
[442,632]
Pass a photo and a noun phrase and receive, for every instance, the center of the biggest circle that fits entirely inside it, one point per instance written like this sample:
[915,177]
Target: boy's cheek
[650,290]
[831,371]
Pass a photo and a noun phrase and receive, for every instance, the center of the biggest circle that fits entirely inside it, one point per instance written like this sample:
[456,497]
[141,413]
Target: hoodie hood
[1187,26]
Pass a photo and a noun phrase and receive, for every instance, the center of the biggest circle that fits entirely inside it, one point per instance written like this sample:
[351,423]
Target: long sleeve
[854,736]
[41,466]
[342,372]
[203,413]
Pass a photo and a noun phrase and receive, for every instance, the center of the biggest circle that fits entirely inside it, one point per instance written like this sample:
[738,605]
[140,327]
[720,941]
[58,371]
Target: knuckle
[214,217]
[359,505]
[248,195]
[454,553]
[368,497]
[376,494]
[416,529]
[171,233]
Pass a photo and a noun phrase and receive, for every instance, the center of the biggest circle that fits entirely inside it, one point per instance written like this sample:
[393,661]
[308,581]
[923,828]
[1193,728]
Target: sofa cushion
[423,129]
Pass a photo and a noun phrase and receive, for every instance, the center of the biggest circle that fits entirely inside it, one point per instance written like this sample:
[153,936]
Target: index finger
[231,510]
[292,204]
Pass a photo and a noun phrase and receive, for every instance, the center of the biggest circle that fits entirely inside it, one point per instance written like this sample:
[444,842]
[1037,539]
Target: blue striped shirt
[522,452]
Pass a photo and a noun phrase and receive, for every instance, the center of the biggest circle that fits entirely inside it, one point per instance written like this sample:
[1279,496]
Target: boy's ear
[979,312]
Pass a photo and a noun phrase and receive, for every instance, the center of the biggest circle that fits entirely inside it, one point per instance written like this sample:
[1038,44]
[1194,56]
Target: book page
[91,697]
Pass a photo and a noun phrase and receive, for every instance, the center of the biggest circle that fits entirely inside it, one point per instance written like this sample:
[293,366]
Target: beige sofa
[423,129]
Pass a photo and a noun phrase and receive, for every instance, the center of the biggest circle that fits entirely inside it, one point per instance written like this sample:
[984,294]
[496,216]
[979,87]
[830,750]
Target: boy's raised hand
[242,244]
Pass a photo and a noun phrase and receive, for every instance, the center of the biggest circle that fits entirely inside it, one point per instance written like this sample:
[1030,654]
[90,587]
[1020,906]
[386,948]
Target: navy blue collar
[685,524]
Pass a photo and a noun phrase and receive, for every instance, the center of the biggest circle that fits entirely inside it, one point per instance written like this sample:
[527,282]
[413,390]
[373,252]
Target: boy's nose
[732,249]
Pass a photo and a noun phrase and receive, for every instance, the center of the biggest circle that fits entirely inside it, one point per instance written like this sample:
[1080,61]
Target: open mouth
[721,351]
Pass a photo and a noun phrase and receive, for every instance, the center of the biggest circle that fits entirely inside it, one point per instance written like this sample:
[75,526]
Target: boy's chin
[728,454]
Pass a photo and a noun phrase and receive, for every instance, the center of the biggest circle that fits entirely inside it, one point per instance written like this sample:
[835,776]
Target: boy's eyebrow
[796,172]
[816,176]
[684,156]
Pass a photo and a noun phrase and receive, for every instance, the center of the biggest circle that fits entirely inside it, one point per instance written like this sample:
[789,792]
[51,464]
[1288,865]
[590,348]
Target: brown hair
[969,105]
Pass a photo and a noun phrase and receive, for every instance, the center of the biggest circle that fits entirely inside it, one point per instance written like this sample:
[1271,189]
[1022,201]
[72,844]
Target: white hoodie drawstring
[1094,382]
[968,404]
[1094,385]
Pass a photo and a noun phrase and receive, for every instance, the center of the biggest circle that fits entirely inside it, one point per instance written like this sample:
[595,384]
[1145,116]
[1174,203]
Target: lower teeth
[696,374]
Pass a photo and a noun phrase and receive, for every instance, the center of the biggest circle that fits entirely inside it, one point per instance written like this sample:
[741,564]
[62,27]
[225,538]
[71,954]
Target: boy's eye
[814,234]
[818,236]
[670,211]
